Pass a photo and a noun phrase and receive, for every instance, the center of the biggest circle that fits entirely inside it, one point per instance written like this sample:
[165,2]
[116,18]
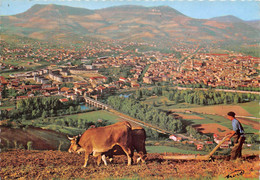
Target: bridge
[95,103]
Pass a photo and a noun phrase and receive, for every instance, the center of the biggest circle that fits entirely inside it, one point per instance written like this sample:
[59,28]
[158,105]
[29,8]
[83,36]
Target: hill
[138,23]
[255,24]
[62,165]
[42,139]
[227,19]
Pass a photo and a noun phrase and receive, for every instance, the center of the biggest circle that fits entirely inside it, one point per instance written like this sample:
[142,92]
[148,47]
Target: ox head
[74,146]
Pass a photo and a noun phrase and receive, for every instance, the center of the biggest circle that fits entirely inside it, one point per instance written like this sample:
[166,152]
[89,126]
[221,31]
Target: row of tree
[72,122]
[200,97]
[35,107]
[145,113]
[209,97]
[256,89]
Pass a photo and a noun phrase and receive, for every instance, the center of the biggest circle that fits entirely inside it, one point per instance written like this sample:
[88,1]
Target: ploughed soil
[49,164]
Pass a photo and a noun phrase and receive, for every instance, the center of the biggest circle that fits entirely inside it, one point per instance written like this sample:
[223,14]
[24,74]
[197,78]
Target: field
[41,139]
[95,115]
[212,128]
[211,119]
[253,108]
[242,109]
[62,165]
[88,117]
[216,114]
[221,110]
[187,116]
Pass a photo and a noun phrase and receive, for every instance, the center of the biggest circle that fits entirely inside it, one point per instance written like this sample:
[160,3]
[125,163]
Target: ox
[138,144]
[101,139]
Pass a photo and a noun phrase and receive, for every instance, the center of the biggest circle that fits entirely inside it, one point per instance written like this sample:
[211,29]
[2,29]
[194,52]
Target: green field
[94,116]
[7,107]
[253,108]
[88,117]
[159,101]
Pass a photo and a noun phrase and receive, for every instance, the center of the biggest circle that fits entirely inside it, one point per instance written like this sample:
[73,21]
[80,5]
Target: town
[94,75]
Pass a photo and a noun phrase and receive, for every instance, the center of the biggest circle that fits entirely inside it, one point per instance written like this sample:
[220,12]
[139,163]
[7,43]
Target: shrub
[29,145]
[15,144]
[61,143]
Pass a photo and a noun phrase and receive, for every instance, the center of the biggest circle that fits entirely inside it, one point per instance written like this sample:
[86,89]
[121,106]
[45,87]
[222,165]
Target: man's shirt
[237,127]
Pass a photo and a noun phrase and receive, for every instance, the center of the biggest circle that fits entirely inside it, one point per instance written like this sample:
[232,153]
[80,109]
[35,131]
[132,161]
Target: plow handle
[221,142]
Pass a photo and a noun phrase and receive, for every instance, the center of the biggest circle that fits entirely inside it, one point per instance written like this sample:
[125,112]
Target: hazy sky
[201,9]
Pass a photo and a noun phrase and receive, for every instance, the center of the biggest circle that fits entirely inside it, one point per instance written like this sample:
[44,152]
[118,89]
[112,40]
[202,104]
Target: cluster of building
[95,87]
[210,69]
[194,66]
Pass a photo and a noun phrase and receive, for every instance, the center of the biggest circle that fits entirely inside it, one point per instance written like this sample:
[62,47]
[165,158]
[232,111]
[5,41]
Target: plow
[196,157]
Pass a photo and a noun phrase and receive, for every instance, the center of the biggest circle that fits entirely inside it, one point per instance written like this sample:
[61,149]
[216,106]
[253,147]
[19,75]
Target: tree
[4,92]
[34,113]
[138,94]
[78,109]
[44,114]
[71,110]
[176,98]
[236,99]
[12,92]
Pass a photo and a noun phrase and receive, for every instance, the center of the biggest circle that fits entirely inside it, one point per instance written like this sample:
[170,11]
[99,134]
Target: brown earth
[212,128]
[185,116]
[221,110]
[26,164]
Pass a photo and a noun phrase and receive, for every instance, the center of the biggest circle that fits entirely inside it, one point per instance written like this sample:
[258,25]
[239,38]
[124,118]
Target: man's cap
[231,113]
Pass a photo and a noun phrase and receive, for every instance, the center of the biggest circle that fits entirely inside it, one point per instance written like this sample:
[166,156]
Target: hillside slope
[42,139]
[124,23]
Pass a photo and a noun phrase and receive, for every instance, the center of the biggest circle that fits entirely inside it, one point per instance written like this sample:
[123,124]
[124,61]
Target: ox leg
[140,158]
[86,159]
[129,155]
[99,160]
[129,160]
[98,155]
[104,159]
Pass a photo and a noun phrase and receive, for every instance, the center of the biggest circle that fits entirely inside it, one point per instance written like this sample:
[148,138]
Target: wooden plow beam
[195,157]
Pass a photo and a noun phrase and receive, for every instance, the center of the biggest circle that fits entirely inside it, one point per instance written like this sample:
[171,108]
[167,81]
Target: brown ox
[101,139]
[138,144]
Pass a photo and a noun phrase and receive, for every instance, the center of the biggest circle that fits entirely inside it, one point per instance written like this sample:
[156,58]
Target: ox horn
[70,138]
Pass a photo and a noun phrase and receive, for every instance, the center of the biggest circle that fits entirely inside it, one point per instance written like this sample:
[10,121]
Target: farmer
[238,134]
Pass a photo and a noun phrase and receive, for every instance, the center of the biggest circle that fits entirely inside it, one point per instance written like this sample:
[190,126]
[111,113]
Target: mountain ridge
[228,18]
[128,22]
